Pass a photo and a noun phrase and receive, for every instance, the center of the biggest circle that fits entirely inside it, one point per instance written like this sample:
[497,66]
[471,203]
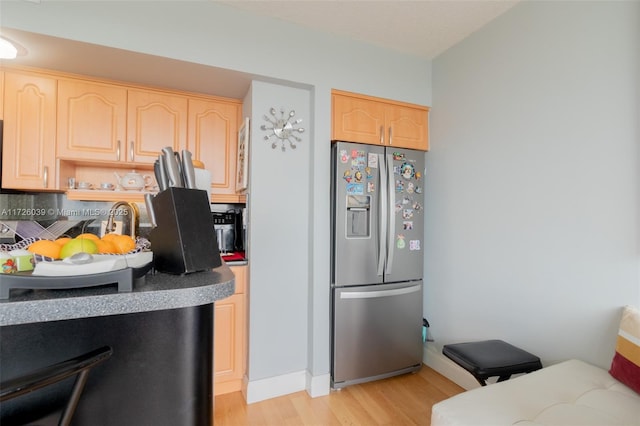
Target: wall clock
[282,129]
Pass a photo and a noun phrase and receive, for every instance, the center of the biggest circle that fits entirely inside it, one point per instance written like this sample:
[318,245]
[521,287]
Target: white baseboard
[434,358]
[318,385]
[259,390]
[272,387]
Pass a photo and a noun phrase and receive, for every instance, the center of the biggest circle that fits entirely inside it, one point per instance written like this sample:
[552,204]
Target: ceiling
[422,28]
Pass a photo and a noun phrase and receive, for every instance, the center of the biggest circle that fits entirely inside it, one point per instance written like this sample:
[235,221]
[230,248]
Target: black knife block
[184,240]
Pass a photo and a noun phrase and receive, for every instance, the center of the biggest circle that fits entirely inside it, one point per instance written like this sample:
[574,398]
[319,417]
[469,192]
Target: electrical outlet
[7,235]
[103,228]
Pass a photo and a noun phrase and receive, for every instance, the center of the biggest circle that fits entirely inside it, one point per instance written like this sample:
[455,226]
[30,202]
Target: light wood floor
[401,400]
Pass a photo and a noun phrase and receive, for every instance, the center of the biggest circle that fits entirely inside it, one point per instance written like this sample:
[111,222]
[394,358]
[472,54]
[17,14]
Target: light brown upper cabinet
[92,121]
[28,158]
[376,121]
[105,122]
[154,120]
[1,95]
[213,128]
[58,126]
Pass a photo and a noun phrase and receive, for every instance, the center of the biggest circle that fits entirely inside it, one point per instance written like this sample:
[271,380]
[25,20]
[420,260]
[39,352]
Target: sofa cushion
[569,393]
[626,361]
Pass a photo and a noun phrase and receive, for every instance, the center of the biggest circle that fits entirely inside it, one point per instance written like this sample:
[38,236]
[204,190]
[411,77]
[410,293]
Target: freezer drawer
[376,332]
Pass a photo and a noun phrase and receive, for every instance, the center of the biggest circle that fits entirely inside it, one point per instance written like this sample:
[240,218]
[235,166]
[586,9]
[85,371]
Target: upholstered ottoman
[490,358]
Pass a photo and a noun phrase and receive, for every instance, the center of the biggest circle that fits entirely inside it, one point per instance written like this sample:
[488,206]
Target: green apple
[78,245]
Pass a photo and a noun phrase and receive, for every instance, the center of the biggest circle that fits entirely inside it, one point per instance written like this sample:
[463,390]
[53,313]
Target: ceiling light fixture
[7,49]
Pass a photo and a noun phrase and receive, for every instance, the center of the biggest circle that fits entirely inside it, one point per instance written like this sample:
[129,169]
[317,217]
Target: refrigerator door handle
[379,293]
[391,206]
[382,213]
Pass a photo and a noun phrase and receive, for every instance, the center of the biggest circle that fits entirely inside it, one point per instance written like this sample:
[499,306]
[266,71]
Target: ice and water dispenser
[358,216]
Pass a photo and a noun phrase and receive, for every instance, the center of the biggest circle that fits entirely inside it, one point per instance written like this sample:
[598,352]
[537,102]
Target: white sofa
[571,393]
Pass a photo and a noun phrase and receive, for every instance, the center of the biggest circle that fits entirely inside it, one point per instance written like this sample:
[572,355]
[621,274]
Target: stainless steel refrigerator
[377,262]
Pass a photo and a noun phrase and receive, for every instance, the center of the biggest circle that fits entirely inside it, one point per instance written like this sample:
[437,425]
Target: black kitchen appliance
[229,231]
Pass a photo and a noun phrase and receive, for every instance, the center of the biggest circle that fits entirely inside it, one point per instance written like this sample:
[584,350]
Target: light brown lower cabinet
[230,328]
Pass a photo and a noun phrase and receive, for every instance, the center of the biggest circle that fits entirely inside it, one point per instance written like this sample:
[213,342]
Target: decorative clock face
[282,129]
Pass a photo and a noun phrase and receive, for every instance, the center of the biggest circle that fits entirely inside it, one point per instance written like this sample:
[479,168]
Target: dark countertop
[156,292]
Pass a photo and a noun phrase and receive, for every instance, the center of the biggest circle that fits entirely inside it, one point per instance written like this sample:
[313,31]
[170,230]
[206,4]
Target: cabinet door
[357,120]
[29,132]
[212,139]
[407,127]
[230,337]
[1,95]
[228,358]
[154,120]
[241,278]
[91,121]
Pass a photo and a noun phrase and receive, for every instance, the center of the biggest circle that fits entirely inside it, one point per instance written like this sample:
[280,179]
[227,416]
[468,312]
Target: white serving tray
[101,263]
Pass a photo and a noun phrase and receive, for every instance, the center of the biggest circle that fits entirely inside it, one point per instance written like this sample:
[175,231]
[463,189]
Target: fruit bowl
[142,244]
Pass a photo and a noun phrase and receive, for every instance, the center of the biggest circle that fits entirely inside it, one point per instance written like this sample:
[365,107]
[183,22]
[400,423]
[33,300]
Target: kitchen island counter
[161,334]
[155,292]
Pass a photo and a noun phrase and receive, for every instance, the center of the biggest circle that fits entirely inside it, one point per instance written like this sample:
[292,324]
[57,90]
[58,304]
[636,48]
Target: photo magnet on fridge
[373,160]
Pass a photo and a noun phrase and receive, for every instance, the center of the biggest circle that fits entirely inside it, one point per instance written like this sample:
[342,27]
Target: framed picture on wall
[242,180]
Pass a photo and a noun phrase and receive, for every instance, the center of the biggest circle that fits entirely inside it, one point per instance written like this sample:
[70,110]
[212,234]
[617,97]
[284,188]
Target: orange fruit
[46,248]
[62,241]
[123,243]
[109,237]
[89,236]
[105,247]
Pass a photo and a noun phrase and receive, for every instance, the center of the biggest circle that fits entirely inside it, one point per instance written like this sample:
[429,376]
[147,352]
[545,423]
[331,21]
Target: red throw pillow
[625,366]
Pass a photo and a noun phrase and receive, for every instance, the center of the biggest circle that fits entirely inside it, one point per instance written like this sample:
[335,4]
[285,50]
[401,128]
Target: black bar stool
[80,365]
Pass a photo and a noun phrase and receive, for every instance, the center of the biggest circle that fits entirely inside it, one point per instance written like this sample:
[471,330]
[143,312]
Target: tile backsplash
[48,208]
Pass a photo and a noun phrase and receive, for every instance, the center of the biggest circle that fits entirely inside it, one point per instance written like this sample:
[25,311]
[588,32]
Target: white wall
[532,219]
[207,33]
[279,203]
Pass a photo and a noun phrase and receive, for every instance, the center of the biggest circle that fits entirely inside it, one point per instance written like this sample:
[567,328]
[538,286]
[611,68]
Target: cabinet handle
[118,152]
[45,176]
[390,136]
[381,135]
[131,156]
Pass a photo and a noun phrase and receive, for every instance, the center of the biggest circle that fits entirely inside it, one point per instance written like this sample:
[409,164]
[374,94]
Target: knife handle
[188,171]
[171,167]
[161,173]
[181,181]
[148,200]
